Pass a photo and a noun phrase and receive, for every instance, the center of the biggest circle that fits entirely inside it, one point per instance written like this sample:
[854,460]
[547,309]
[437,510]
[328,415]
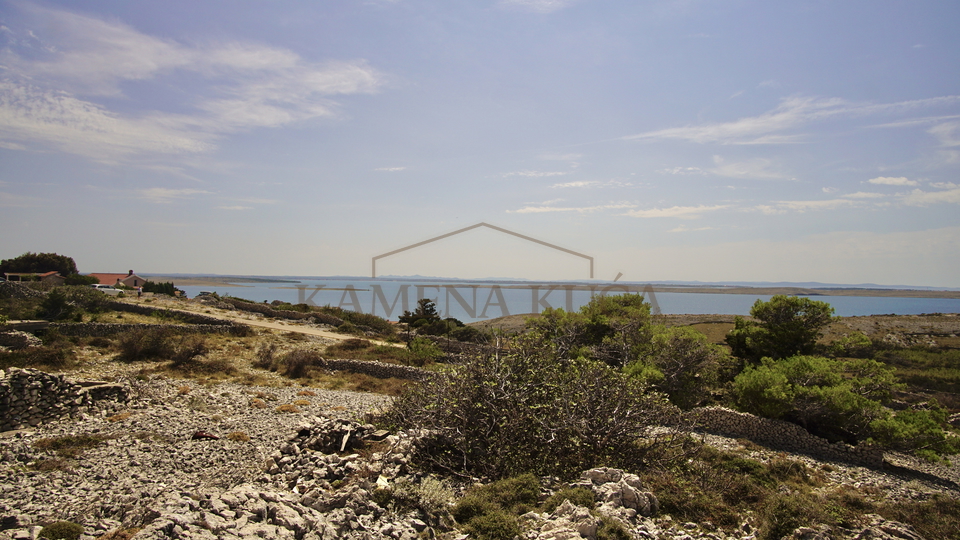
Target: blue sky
[670,140]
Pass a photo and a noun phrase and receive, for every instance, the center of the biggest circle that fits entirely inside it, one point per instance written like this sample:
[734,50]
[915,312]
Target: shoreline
[220,281]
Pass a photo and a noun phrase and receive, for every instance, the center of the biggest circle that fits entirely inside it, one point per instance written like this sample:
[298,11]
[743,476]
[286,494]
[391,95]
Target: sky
[698,140]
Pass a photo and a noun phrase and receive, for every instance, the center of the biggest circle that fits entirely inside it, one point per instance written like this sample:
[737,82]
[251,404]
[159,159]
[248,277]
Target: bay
[471,301]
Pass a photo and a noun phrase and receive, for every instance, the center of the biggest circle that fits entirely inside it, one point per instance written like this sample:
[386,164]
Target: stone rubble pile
[29,397]
[17,340]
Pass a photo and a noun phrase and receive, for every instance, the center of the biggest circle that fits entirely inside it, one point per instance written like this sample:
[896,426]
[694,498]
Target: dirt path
[277,325]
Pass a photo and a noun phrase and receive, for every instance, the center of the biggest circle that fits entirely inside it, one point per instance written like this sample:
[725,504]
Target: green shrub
[56,306]
[469,334]
[578,496]
[681,363]
[615,330]
[501,415]
[855,345]
[496,525]
[424,350]
[62,530]
[786,326]
[348,328]
[491,511]
[785,513]
[835,399]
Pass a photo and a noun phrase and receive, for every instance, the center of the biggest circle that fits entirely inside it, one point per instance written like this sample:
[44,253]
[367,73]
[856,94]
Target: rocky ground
[183,460]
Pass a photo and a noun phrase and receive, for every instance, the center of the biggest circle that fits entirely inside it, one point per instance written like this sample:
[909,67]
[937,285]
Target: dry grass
[287,408]
[119,417]
[183,390]
[357,382]
[302,403]
[306,393]
[258,403]
[238,436]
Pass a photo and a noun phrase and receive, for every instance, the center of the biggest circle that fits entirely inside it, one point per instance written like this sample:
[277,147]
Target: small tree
[786,326]
[426,311]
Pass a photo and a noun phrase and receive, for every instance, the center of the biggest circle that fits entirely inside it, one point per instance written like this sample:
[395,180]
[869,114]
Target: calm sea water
[473,301]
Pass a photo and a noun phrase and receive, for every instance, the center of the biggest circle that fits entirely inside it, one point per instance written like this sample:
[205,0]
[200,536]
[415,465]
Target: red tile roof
[110,279]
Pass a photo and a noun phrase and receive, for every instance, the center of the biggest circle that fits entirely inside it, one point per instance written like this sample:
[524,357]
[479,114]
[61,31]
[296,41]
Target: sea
[471,301]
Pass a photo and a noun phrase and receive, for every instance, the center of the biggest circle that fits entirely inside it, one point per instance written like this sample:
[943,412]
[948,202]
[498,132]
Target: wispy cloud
[781,207]
[919,197]
[390,169]
[536,6]
[12,200]
[167,195]
[863,195]
[683,212]
[580,210]
[256,200]
[592,184]
[792,113]
[234,208]
[944,185]
[536,174]
[947,133]
[683,228]
[682,170]
[893,181]
[758,168]
[49,96]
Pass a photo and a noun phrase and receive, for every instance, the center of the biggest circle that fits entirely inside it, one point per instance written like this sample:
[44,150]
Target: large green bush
[501,415]
[841,400]
[613,329]
[785,326]
[682,363]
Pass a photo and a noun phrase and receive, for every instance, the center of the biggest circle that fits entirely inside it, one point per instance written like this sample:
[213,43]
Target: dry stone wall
[29,397]
[377,369]
[109,329]
[184,316]
[782,435]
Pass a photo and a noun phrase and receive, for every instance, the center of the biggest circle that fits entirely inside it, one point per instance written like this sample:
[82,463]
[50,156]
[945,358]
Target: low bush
[70,446]
[577,495]
[145,344]
[498,416]
[298,362]
[61,530]
[266,356]
[490,511]
[50,358]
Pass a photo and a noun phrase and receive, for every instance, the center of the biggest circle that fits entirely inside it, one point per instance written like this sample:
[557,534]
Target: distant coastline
[200,280]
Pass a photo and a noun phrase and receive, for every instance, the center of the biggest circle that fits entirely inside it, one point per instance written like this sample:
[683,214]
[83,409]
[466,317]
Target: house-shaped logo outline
[465,229]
